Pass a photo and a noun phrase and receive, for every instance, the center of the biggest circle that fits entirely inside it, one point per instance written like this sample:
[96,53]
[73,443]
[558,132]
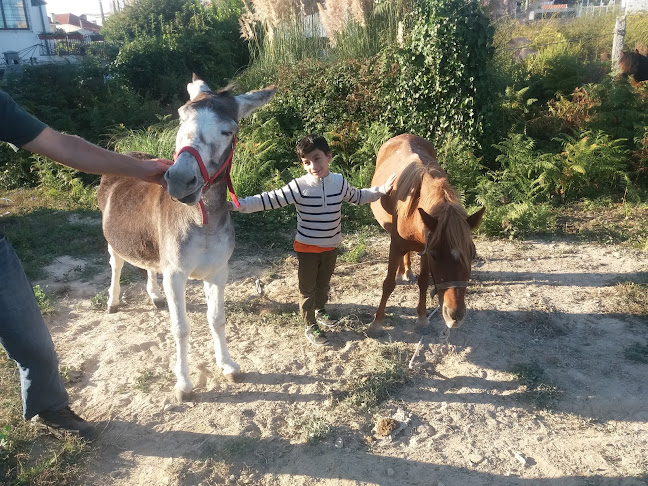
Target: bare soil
[536,388]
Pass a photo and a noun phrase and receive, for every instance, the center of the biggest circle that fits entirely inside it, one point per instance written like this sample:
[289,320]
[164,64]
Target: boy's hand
[389,185]
[231,207]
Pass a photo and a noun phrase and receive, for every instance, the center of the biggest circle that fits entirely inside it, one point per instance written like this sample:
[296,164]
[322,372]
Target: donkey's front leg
[174,288]
[215,294]
[116,265]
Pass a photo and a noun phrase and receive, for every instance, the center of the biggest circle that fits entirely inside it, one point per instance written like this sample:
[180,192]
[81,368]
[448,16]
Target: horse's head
[207,133]
[449,251]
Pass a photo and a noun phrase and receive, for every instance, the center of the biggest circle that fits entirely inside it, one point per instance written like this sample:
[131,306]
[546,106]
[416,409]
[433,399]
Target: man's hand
[156,168]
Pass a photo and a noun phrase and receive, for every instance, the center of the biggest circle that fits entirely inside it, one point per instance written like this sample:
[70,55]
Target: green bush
[443,80]
[198,40]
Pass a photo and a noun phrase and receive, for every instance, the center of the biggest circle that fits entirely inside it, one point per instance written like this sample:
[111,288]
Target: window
[13,14]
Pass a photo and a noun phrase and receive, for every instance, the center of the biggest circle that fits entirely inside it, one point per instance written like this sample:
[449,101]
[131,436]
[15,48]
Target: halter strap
[453,284]
[226,168]
[450,284]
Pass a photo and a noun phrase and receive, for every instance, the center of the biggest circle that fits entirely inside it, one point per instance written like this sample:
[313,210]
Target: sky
[76,7]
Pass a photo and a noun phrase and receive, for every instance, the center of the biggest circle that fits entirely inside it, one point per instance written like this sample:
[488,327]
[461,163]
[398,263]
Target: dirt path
[536,388]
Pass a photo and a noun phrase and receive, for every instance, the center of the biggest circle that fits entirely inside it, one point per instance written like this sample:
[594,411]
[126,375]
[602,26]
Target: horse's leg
[153,290]
[375,328]
[421,309]
[174,288]
[215,294]
[116,265]
[407,267]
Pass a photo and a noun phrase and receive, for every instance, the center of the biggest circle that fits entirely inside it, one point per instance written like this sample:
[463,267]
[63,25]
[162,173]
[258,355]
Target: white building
[20,23]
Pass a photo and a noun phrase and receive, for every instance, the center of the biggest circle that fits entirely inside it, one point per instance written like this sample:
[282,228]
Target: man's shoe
[65,420]
[315,335]
[324,320]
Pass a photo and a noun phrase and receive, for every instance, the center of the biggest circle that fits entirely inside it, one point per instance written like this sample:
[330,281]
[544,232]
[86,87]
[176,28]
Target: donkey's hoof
[112,309]
[183,396]
[160,304]
[234,377]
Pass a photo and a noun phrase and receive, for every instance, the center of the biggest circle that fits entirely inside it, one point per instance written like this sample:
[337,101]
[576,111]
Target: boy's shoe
[65,420]
[324,320]
[314,334]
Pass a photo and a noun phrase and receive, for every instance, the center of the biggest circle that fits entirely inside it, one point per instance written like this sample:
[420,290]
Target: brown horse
[423,213]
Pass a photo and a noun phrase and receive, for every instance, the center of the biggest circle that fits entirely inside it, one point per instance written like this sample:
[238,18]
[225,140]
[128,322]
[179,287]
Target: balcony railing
[70,44]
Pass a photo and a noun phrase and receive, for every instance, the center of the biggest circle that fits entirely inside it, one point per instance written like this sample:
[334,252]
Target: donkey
[165,232]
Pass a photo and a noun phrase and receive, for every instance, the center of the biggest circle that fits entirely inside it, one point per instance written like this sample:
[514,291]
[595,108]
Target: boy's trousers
[314,273]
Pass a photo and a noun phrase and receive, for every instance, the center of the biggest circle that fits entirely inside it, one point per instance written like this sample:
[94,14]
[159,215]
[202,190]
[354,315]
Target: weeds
[145,381]
[388,374]
[46,304]
[633,297]
[541,394]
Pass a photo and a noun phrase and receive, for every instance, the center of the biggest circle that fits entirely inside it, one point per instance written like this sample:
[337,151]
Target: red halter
[226,168]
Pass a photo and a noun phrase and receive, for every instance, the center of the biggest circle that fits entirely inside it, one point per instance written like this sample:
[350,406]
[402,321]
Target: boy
[318,197]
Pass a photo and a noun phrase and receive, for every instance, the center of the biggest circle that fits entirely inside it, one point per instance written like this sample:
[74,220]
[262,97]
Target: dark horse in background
[634,64]
[423,213]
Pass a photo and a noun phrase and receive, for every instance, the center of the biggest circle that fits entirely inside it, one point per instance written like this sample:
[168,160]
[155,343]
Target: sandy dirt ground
[537,387]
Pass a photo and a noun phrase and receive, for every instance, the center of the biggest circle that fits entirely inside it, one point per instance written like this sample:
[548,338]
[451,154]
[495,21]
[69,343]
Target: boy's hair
[312,142]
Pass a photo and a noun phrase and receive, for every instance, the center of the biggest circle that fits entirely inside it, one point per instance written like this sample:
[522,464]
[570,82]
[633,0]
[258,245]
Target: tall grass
[157,140]
[281,32]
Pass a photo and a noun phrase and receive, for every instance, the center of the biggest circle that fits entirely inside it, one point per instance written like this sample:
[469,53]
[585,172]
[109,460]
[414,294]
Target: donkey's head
[208,127]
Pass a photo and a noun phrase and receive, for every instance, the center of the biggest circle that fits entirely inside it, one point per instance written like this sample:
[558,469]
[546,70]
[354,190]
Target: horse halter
[451,284]
[208,181]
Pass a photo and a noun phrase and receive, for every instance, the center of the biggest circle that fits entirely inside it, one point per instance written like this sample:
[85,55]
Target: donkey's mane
[427,187]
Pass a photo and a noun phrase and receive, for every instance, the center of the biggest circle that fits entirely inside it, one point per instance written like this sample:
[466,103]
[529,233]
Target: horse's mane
[427,187]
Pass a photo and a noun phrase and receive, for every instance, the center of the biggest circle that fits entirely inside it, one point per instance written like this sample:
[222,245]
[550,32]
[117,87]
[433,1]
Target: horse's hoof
[112,309]
[423,329]
[160,304]
[374,332]
[183,396]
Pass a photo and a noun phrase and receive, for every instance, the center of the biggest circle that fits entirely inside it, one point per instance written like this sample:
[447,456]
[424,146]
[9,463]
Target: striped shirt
[318,203]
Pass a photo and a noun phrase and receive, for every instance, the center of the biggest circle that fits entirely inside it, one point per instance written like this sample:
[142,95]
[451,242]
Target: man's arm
[82,155]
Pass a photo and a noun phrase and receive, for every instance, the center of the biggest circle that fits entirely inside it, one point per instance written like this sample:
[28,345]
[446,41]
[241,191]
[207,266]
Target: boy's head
[315,155]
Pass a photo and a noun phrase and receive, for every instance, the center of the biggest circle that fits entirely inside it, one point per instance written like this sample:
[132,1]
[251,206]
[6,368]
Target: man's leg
[25,338]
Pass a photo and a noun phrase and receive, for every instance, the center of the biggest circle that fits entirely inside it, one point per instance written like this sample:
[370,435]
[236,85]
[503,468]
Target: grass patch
[387,374]
[637,352]
[27,457]
[41,229]
[145,381]
[633,297]
[604,221]
[541,393]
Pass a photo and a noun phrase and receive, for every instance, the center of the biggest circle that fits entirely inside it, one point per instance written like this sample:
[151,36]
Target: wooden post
[619,37]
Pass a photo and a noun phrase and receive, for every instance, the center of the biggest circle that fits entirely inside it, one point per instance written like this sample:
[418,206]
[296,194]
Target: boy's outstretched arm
[387,187]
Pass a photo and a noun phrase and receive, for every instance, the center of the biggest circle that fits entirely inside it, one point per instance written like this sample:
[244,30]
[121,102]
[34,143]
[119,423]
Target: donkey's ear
[196,86]
[429,221]
[474,220]
[250,101]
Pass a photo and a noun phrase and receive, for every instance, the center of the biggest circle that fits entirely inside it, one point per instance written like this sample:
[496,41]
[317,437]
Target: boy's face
[316,163]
